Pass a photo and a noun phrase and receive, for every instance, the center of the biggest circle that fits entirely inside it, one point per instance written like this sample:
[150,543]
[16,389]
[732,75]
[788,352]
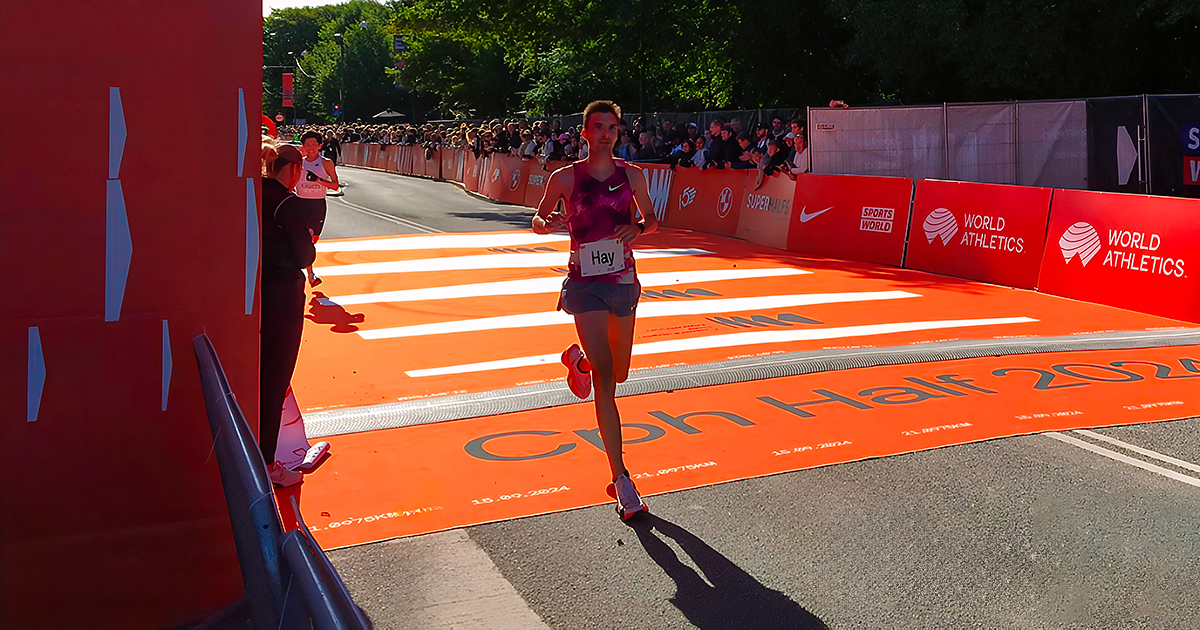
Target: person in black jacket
[287,248]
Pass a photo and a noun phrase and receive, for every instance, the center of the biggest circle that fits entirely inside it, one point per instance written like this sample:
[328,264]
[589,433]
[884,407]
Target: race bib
[601,257]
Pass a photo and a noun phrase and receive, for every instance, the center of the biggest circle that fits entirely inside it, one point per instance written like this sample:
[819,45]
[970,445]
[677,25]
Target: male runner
[601,289]
[319,178]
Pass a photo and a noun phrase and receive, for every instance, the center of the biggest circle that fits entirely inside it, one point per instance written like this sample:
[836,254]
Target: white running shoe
[579,381]
[282,477]
[313,458]
[628,501]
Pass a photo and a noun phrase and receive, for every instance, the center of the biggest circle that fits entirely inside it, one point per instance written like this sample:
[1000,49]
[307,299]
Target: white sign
[601,257]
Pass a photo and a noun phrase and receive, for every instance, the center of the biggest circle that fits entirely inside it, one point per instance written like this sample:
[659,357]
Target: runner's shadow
[343,321]
[725,596]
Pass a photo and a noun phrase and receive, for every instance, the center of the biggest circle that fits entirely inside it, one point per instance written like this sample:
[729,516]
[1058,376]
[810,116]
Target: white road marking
[485,261]
[651,309]
[1141,451]
[1125,459]
[534,286]
[733,340]
[441,241]
[386,217]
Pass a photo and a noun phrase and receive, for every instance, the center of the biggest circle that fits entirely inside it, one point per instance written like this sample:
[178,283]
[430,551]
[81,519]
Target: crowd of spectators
[775,145]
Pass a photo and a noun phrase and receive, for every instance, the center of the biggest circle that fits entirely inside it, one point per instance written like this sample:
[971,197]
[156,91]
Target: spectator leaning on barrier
[700,155]
[683,155]
[799,158]
[739,154]
[714,130]
[647,152]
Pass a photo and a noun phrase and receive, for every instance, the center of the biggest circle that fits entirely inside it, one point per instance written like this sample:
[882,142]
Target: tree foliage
[482,58]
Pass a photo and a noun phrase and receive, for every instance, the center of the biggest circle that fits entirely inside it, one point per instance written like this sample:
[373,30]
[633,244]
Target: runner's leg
[620,341]
[592,328]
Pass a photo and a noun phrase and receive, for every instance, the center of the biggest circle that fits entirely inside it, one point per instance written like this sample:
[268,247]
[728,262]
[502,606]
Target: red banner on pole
[287,89]
[1128,251]
[985,232]
[851,217]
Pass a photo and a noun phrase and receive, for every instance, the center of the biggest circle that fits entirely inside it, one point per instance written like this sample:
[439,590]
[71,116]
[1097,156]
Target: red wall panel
[707,201]
[135,213]
[766,212]
[851,217]
[986,232]
[1129,251]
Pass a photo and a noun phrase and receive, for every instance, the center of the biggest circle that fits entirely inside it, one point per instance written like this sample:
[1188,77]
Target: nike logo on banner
[805,217]
[612,188]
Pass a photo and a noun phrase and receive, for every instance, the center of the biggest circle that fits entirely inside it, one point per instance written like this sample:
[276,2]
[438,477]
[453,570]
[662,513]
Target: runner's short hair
[601,107]
[310,134]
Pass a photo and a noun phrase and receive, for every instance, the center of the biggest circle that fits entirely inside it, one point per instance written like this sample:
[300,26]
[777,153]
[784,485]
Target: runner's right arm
[548,218]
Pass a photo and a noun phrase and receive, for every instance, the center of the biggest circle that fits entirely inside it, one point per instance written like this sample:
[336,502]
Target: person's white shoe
[313,458]
[629,502]
[282,477]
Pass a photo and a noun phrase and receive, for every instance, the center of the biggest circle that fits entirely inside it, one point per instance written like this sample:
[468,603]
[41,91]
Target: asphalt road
[1026,532]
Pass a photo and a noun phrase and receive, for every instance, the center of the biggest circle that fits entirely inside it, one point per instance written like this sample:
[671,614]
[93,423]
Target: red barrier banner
[460,162]
[986,232]
[417,155]
[393,163]
[706,201]
[850,217]
[352,154]
[536,179]
[471,168]
[659,178]
[449,163]
[1128,251]
[766,212]
[505,181]
[433,166]
[536,176]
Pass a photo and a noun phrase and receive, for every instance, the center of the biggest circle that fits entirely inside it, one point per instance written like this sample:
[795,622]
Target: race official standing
[287,248]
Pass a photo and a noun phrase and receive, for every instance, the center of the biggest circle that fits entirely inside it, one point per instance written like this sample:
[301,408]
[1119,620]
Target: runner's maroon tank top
[596,209]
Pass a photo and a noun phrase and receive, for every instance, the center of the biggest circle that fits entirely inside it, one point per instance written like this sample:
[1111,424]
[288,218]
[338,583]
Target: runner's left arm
[333,183]
[645,206]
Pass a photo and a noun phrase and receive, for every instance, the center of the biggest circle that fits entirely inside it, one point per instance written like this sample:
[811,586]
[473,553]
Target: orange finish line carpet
[409,317]
[404,318]
[426,478]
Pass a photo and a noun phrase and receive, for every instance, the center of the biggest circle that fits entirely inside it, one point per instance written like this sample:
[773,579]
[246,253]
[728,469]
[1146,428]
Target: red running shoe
[579,381]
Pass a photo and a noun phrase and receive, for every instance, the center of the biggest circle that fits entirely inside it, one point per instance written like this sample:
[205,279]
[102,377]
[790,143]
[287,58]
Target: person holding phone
[318,179]
[602,199]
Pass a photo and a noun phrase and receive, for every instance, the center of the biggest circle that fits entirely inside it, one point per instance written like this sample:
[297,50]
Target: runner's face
[601,129]
[310,148]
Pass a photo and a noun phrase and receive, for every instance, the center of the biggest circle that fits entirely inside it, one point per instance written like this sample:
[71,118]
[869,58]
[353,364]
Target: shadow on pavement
[726,596]
[343,321]
[521,217]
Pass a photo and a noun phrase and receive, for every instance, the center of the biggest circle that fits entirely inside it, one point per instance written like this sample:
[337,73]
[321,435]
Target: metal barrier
[288,580]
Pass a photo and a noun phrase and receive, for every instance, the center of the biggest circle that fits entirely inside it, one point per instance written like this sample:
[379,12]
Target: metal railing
[289,581]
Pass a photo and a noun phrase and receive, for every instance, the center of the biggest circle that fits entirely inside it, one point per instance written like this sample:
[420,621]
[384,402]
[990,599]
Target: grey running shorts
[585,296]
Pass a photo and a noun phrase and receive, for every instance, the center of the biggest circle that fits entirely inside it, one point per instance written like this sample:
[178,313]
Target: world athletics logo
[940,223]
[1080,240]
